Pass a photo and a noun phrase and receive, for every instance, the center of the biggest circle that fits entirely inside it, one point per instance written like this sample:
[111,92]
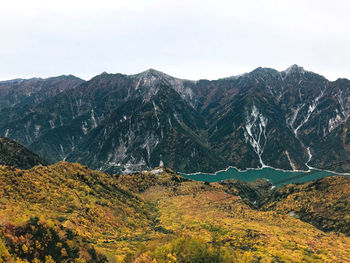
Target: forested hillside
[69,213]
[16,155]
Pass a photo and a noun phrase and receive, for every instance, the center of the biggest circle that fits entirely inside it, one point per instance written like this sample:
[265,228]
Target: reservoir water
[277,177]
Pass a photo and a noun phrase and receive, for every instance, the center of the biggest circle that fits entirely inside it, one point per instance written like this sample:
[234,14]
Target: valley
[106,170]
[69,213]
[174,131]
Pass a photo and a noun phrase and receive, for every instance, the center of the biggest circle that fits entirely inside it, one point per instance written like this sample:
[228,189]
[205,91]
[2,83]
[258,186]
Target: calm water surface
[277,177]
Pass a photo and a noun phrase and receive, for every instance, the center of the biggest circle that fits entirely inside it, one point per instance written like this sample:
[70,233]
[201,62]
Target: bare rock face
[293,119]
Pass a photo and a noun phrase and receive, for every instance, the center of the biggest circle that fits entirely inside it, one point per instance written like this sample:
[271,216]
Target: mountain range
[292,119]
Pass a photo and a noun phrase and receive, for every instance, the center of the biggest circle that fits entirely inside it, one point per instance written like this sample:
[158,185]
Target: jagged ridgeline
[293,119]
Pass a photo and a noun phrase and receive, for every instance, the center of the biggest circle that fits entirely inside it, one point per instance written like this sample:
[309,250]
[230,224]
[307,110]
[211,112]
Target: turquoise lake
[277,177]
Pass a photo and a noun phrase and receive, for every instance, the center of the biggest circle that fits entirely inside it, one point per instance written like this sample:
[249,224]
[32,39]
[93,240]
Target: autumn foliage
[69,213]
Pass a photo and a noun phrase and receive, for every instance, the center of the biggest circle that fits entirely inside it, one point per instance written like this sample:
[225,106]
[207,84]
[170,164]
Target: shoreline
[261,168]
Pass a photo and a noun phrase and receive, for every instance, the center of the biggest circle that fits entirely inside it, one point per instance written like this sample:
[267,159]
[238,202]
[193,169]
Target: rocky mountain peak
[152,78]
[152,72]
[263,72]
[294,69]
[151,75]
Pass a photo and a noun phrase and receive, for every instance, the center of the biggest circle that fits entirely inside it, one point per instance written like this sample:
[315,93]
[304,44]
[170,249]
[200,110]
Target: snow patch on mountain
[156,109]
[150,142]
[52,124]
[293,69]
[309,160]
[151,78]
[62,154]
[37,130]
[93,119]
[294,117]
[313,105]
[292,165]
[255,132]
[342,115]
[334,122]
[84,127]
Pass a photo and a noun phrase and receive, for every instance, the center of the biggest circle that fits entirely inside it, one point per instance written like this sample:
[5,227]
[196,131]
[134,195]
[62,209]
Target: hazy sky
[188,39]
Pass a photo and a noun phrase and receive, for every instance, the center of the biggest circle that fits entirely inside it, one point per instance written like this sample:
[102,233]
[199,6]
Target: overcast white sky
[184,38]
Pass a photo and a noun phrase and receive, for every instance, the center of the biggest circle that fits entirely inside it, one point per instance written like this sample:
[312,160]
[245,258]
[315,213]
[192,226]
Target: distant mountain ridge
[293,119]
[34,90]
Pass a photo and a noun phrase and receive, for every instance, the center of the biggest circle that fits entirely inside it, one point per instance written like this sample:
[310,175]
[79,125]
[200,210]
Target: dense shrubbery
[68,213]
[39,241]
[68,195]
[188,250]
[324,203]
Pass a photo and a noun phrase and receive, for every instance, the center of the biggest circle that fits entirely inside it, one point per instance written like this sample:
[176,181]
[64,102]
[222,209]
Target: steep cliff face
[291,120]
